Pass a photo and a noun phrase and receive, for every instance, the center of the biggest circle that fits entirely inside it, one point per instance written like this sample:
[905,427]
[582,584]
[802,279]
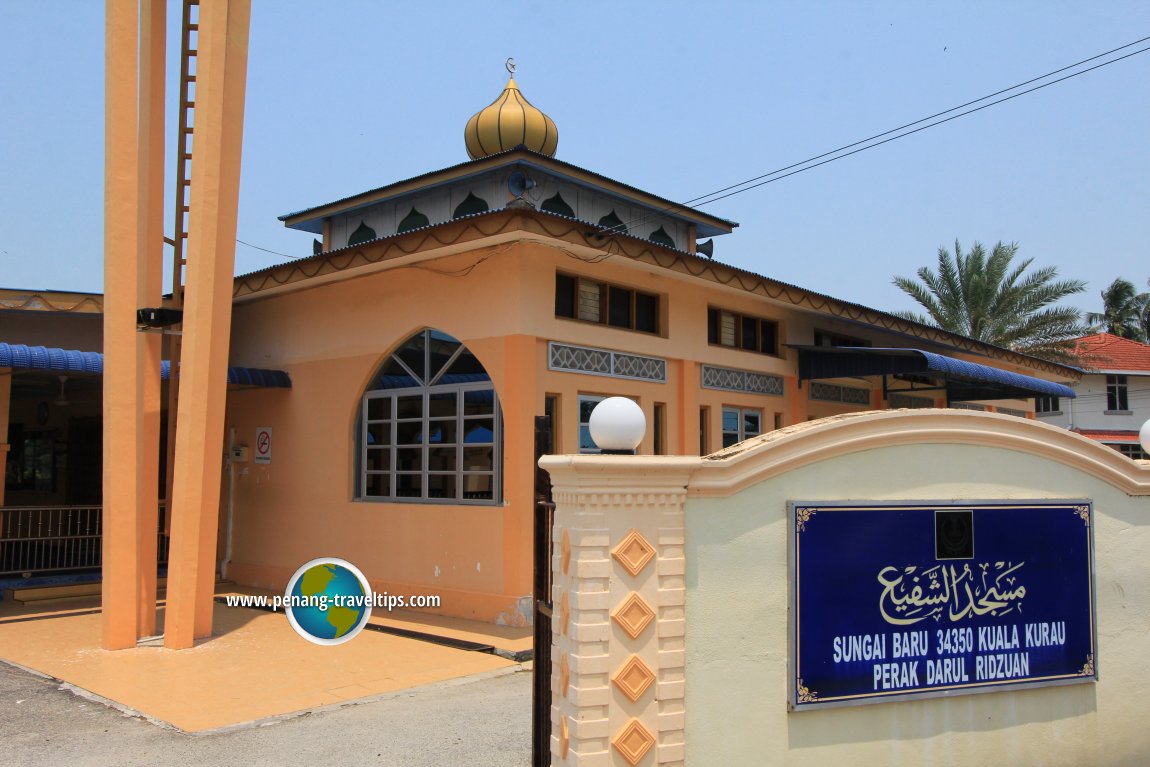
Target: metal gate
[541,667]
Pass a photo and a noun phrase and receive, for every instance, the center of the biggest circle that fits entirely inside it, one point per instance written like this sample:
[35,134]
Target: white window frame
[741,433]
[584,428]
[389,449]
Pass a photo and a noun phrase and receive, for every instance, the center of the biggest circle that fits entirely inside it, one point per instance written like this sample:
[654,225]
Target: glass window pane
[394,376]
[478,458]
[768,337]
[564,296]
[465,369]
[479,402]
[409,407]
[409,485]
[379,434]
[378,408]
[729,439]
[378,485]
[586,405]
[409,433]
[478,487]
[441,405]
[647,312]
[619,307]
[752,423]
[441,459]
[478,430]
[585,441]
[412,353]
[441,432]
[750,339]
[409,459]
[440,485]
[442,347]
[378,459]
[730,420]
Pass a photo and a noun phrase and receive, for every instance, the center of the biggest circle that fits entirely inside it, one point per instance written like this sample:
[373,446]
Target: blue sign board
[890,601]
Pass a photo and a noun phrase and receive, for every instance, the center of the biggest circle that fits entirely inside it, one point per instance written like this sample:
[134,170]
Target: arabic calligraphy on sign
[956,592]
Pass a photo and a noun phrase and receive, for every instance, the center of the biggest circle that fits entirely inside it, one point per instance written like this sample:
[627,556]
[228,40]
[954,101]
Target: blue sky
[676,98]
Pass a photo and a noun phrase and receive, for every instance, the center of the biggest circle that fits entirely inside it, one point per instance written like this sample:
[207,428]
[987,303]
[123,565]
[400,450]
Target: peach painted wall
[499,301]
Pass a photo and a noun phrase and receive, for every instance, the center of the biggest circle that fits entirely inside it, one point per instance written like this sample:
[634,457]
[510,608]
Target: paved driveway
[483,722]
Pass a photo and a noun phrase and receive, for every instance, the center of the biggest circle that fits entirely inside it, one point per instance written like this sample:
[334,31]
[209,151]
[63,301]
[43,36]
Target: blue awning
[21,357]
[962,380]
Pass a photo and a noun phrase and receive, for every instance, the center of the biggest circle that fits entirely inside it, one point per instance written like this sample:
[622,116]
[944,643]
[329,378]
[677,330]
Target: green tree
[990,299]
[1124,311]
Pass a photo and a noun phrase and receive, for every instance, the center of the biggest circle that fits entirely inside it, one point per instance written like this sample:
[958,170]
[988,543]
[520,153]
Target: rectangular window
[740,424]
[704,426]
[1117,399]
[551,413]
[619,314]
[1047,405]
[739,331]
[1132,451]
[431,444]
[599,302]
[564,296]
[587,403]
[659,428]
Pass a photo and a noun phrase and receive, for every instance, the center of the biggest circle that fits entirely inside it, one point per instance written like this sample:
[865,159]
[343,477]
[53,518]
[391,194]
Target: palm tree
[987,299]
[1124,311]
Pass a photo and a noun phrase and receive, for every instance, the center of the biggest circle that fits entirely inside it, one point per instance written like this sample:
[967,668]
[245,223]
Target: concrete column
[220,83]
[522,401]
[149,291]
[133,104]
[619,655]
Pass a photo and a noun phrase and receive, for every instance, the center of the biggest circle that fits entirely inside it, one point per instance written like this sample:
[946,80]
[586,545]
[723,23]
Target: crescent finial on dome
[509,121]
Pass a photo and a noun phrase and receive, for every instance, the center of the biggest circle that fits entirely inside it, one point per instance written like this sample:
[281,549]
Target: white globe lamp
[1144,436]
[617,426]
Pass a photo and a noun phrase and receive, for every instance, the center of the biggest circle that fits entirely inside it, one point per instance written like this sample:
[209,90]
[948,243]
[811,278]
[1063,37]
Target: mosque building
[385,391]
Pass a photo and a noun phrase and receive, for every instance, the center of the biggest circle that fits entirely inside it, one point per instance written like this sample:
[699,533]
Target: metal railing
[39,540]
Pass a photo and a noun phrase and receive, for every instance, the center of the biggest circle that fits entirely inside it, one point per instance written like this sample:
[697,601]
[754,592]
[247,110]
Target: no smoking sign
[264,444]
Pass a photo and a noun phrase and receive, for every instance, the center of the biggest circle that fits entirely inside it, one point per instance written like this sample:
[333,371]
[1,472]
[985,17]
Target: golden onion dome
[507,122]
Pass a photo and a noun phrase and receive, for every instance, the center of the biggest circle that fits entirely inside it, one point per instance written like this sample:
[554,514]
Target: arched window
[431,427]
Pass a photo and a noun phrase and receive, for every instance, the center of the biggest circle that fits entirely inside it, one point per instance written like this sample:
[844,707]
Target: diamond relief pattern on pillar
[634,615]
[633,741]
[634,552]
[634,678]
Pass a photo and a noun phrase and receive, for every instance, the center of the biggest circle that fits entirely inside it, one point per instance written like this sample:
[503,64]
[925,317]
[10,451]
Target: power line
[265,250]
[719,193]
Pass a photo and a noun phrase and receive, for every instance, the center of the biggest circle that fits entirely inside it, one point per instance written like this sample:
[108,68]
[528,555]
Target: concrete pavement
[482,721]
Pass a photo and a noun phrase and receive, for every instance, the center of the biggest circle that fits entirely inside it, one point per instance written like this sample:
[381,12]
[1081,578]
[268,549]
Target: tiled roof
[1110,435]
[1106,351]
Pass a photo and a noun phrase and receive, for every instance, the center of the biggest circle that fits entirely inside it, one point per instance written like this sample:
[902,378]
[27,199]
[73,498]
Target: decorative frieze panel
[907,401]
[847,395]
[731,379]
[604,362]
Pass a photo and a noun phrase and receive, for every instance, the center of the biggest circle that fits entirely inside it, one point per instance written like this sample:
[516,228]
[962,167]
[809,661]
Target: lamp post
[617,425]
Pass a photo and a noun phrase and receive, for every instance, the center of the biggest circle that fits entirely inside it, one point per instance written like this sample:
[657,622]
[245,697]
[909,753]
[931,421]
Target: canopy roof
[961,380]
[21,357]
